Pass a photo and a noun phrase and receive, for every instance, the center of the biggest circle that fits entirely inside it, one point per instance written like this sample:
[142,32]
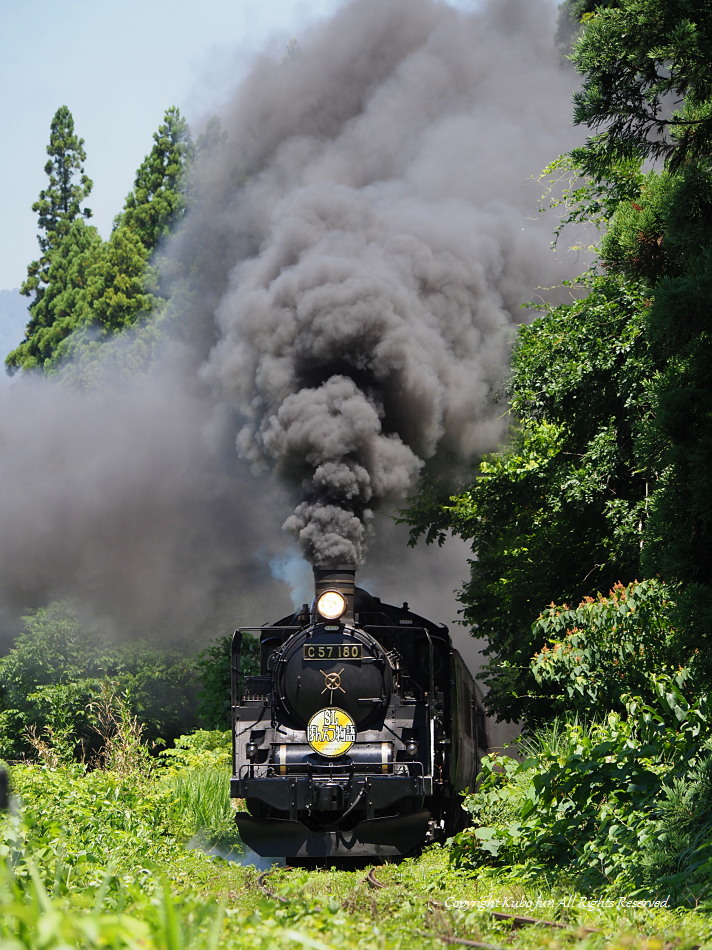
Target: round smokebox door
[321,668]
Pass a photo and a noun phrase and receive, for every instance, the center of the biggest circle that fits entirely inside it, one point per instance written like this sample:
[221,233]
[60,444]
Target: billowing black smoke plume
[378,248]
[128,498]
[358,255]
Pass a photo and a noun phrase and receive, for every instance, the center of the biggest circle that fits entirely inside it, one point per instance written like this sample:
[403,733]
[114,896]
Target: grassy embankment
[119,858]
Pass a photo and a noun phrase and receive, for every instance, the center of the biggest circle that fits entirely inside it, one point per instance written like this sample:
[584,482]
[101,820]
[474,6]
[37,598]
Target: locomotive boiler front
[339,747]
[331,665]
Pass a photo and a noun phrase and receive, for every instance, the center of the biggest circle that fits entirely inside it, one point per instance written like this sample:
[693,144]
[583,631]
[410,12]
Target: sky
[118,66]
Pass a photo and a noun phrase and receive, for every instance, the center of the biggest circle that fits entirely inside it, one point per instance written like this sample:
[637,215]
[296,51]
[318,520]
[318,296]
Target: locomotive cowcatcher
[359,732]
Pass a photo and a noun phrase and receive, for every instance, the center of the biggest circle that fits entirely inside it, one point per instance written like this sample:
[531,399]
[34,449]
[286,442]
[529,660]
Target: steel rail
[516,920]
[266,890]
[373,882]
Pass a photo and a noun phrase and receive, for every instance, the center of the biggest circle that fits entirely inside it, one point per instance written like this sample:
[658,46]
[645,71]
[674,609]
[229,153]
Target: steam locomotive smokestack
[341,579]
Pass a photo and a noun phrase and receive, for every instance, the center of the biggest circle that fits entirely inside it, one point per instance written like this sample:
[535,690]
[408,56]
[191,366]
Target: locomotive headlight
[331,605]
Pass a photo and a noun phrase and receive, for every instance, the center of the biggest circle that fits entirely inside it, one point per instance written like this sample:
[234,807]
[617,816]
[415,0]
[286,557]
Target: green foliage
[51,646]
[679,328]
[60,204]
[600,800]
[609,459]
[646,83]
[680,849]
[618,797]
[87,290]
[55,678]
[31,919]
[160,683]
[571,14]
[56,280]
[92,816]
[120,282]
[62,307]
[202,749]
[585,201]
[96,859]
[199,769]
[559,512]
[205,795]
[665,238]
[214,677]
[635,244]
[123,750]
[80,867]
[57,670]
[579,10]
[158,200]
[605,648]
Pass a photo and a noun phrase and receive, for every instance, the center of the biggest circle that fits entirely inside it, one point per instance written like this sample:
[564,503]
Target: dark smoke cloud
[129,499]
[360,252]
[377,248]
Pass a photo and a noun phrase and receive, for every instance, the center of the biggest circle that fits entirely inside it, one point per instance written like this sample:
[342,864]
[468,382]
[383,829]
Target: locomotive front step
[390,837]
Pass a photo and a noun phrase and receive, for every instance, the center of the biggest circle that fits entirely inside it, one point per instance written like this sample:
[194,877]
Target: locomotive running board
[377,837]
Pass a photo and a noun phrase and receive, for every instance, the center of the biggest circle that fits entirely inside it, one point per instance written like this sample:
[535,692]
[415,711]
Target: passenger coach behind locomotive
[359,732]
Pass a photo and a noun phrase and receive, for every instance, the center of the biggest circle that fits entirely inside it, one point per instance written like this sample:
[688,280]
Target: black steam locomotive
[358,733]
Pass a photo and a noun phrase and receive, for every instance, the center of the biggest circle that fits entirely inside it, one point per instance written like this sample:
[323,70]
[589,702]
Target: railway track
[371,879]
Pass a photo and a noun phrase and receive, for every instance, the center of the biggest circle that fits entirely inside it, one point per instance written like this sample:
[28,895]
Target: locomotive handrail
[431,700]
[360,626]
[266,627]
[400,627]
[235,680]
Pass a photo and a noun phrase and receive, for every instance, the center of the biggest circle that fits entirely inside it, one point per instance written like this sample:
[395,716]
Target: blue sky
[118,65]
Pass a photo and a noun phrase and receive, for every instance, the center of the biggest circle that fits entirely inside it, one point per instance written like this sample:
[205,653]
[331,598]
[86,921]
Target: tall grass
[203,799]
[35,918]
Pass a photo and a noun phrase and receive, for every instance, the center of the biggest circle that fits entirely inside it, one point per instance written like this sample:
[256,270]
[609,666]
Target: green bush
[98,860]
[202,749]
[605,648]
[214,677]
[198,770]
[85,863]
[605,802]
[53,675]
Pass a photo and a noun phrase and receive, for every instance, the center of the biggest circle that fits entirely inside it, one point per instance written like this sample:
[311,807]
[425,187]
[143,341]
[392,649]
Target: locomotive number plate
[333,651]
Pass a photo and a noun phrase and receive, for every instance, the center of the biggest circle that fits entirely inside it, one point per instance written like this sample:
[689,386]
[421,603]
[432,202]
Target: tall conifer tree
[60,204]
[62,306]
[158,199]
[63,236]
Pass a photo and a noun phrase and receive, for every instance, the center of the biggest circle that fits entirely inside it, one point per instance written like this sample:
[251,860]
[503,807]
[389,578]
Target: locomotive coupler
[328,797]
